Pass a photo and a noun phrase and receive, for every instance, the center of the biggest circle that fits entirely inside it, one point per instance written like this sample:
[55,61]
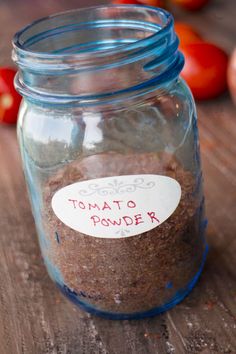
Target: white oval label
[119,206]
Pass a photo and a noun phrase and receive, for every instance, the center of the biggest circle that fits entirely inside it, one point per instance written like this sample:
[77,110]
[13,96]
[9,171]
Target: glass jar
[109,143]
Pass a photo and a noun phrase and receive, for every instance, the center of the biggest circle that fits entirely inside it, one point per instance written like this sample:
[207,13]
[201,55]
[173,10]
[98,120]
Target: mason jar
[109,143]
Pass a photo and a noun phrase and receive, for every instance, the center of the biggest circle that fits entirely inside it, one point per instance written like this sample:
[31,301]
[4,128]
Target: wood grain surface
[36,319]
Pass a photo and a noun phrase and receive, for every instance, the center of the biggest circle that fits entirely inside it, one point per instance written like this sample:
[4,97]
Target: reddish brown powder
[130,274]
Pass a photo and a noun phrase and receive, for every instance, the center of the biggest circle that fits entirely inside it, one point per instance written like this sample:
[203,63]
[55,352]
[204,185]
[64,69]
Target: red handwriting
[114,205]
[153,217]
[118,202]
[138,219]
[131,204]
[124,220]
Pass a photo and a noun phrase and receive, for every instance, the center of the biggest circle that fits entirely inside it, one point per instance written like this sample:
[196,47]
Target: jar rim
[105,40]
[21,48]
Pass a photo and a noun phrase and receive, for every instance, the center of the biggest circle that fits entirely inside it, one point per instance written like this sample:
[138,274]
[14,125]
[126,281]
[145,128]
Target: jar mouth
[42,38]
[131,45]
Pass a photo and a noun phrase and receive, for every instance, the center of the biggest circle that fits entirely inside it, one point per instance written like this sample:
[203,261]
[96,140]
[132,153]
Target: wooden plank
[36,319]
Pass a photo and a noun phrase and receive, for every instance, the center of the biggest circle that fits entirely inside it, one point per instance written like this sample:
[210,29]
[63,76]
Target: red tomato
[158,3]
[9,98]
[191,4]
[205,69]
[232,75]
[186,33]
[126,2]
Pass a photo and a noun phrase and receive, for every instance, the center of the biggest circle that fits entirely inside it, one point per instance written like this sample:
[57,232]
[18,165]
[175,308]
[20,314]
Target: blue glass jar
[109,143]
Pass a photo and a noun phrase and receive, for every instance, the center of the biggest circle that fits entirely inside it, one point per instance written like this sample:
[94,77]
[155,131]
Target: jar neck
[97,54]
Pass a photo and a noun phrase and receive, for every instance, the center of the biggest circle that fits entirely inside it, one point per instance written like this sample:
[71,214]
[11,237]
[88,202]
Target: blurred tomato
[232,75]
[9,98]
[126,2]
[191,4]
[186,33]
[158,3]
[205,69]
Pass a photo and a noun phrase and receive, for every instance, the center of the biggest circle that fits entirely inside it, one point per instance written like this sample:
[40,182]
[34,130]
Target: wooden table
[36,319]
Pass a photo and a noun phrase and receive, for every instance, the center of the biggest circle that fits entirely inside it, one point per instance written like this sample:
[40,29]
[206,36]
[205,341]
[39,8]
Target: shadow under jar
[110,151]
